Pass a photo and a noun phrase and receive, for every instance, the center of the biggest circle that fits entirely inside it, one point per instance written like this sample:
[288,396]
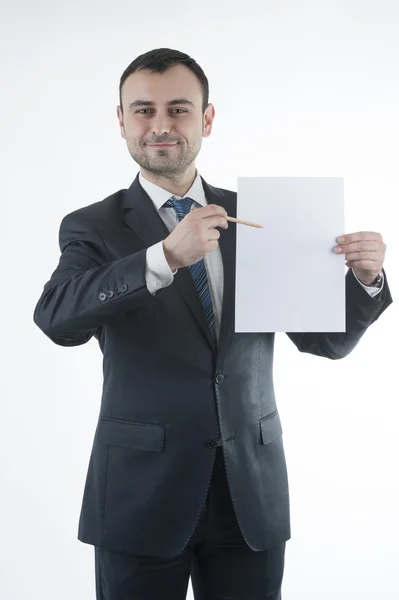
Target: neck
[177,184]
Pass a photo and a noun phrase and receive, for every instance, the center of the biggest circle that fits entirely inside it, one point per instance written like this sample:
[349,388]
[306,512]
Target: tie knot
[182,206]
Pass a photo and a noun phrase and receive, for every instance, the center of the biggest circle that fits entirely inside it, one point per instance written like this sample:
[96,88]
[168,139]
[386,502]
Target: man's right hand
[195,236]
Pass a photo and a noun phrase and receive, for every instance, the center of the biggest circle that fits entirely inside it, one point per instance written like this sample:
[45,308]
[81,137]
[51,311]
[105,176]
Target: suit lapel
[141,216]
[227,244]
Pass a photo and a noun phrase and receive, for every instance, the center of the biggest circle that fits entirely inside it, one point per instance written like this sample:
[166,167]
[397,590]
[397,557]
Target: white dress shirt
[158,273]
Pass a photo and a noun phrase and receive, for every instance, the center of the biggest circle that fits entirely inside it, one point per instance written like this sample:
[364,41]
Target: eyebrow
[137,103]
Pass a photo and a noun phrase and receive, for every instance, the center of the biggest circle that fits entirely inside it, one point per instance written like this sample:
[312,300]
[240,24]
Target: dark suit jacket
[169,397]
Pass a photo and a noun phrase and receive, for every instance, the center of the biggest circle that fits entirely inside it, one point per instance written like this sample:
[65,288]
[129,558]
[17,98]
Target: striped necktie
[198,271]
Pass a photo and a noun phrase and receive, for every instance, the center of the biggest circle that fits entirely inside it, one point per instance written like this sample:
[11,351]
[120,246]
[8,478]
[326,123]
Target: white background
[300,89]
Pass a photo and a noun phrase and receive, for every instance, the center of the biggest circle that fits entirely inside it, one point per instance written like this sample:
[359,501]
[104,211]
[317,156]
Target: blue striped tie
[198,272]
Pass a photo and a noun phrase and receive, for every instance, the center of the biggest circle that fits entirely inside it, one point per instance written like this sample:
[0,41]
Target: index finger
[211,210]
[369,236]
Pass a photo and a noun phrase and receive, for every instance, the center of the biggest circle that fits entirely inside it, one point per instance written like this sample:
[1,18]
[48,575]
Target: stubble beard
[159,164]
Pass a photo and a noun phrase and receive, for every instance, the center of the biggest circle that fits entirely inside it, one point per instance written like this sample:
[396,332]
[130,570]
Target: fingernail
[337,249]
[341,240]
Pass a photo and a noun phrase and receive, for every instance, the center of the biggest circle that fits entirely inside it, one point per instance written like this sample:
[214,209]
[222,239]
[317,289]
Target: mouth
[163,145]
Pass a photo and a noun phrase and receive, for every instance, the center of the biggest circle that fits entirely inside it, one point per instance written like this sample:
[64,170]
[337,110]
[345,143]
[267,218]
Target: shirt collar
[159,195]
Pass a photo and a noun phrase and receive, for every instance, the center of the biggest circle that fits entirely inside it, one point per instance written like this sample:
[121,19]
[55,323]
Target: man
[187,474]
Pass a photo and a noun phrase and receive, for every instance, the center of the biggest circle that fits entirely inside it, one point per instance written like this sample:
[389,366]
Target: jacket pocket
[126,434]
[270,428]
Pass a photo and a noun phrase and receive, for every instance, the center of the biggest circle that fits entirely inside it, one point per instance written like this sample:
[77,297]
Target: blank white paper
[288,278]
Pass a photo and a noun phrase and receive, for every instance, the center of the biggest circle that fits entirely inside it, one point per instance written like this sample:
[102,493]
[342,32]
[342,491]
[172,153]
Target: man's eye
[144,110]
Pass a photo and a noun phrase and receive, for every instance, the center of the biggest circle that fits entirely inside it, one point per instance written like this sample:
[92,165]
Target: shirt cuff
[157,271]
[372,289]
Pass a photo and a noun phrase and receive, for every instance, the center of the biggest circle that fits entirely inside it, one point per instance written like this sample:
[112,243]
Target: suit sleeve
[361,311]
[87,289]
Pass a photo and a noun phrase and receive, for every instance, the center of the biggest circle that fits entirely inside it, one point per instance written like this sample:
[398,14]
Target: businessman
[187,474]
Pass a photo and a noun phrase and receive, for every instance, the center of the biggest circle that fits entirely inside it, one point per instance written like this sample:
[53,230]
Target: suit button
[102,296]
[219,378]
[123,288]
[110,294]
[211,443]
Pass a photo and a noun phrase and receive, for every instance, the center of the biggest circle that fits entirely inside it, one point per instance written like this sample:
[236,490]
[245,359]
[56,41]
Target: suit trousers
[221,564]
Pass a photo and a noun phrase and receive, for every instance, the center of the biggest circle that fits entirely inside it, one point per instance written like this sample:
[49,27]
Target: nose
[161,124]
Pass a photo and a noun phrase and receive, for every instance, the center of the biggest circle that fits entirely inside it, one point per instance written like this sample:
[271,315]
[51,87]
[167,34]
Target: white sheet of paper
[288,278]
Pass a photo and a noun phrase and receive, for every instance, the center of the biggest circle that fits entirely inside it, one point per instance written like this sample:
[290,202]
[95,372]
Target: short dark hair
[161,59]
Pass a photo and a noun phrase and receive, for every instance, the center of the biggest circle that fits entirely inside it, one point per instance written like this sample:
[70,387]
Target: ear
[209,115]
[120,119]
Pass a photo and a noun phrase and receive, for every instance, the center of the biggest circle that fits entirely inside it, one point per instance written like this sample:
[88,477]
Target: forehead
[176,82]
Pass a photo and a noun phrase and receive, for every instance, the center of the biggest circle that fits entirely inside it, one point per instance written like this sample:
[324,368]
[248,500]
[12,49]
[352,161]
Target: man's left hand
[365,253]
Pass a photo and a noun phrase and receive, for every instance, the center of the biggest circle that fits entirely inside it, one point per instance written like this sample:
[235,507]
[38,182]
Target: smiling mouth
[163,144]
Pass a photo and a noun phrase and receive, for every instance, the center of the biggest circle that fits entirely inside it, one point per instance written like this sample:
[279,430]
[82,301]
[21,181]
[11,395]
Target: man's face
[164,107]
